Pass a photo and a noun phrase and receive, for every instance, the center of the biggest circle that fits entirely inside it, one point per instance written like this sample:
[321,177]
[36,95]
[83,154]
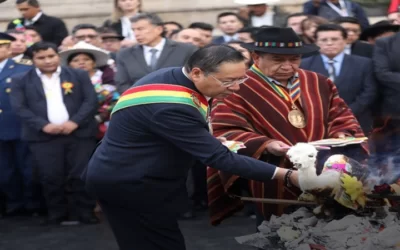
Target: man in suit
[333,9]
[354,46]
[15,164]
[57,106]
[152,142]
[52,29]
[352,75]
[153,52]
[229,23]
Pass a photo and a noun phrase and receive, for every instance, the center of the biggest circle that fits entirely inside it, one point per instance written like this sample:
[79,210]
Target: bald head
[192,36]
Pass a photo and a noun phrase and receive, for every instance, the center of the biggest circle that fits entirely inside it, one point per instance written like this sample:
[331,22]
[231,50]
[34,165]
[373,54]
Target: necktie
[153,59]
[332,70]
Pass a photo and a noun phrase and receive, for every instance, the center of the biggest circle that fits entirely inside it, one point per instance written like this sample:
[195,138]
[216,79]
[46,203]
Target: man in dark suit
[352,75]
[354,46]
[387,70]
[57,106]
[139,170]
[15,164]
[333,9]
[152,52]
[229,23]
[51,29]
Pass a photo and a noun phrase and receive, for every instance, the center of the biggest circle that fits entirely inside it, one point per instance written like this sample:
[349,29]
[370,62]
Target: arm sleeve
[89,105]
[18,103]
[383,66]
[122,79]
[181,126]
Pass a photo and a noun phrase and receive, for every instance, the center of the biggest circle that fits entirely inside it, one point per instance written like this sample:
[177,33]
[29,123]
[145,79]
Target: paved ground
[26,234]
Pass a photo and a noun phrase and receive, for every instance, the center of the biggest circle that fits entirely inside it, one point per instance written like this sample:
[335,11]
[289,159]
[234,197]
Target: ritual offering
[348,213]
[234,146]
[339,142]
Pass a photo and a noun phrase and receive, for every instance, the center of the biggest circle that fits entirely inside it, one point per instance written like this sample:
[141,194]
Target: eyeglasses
[231,83]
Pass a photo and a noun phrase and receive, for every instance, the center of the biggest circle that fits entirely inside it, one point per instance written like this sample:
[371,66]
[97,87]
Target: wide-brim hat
[282,41]
[256,2]
[100,56]
[377,29]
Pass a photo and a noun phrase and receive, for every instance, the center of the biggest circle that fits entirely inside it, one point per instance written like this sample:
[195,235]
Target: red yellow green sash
[162,93]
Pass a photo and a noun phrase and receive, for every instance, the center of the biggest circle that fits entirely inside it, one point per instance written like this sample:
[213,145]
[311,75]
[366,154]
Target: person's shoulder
[23,63]
[359,60]
[183,46]
[76,72]
[52,19]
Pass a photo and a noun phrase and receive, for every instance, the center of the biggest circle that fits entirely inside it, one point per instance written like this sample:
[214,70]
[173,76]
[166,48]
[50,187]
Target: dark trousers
[16,176]
[135,230]
[60,163]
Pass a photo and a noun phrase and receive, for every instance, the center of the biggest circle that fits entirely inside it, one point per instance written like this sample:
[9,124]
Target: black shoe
[55,221]
[89,219]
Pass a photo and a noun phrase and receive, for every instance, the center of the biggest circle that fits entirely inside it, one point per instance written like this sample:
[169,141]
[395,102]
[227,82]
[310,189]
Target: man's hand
[68,127]
[294,177]
[52,129]
[221,139]
[341,135]
[277,148]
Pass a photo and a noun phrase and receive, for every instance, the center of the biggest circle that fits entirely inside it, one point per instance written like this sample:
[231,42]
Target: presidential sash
[162,93]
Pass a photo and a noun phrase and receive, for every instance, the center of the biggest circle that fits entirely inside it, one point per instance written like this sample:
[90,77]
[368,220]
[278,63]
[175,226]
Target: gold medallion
[8,90]
[297,119]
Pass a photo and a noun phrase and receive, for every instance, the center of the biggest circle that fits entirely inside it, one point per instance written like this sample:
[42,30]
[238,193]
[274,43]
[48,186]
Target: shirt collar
[187,76]
[57,73]
[291,80]
[231,38]
[159,47]
[3,64]
[35,18]
[337,59]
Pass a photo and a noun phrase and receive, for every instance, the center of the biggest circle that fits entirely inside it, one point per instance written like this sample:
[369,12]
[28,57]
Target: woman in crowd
[124,10]
[89,58]
[309,25]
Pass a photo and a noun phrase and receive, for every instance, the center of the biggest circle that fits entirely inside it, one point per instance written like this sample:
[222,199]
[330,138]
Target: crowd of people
[58,89]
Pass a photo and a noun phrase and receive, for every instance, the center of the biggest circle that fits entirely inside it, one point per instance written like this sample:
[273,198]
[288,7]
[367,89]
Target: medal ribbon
[294,90]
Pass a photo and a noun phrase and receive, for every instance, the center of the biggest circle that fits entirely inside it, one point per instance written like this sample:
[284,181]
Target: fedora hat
[276,40]
[378,28]
[255,2]
[112,35]
[101,56]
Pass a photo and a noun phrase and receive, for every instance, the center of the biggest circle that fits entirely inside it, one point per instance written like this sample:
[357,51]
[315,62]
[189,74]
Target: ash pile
[302,230]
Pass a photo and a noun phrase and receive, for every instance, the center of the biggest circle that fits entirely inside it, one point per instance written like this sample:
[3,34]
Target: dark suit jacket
[387,70]
[144,158]
[131,64]
[356,84]
[29,101]
[325,11]
[9,122]
[52,29]
[362,49]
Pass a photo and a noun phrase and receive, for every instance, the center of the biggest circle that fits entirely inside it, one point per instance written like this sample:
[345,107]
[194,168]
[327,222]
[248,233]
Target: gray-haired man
[153,52]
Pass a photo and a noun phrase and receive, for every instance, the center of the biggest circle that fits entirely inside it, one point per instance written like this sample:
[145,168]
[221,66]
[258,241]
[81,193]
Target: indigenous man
[157,132]
[278,106]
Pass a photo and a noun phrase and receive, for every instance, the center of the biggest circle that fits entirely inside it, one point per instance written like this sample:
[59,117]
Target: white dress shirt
[34,19]
[127,31]
[56,111]
[266,19]
[147,54]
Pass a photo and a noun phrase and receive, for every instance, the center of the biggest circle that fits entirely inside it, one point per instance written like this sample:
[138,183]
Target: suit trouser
[16,176]
[135,230]
[60,163]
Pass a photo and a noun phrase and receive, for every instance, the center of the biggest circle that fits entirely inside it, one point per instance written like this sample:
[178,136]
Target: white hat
[100,56]
[255,2]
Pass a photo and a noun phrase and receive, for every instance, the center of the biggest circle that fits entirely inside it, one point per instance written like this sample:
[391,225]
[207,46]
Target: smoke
[384,169]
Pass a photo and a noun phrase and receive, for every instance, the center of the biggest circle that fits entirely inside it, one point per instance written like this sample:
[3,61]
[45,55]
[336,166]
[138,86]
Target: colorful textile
[162,93]
[256,115]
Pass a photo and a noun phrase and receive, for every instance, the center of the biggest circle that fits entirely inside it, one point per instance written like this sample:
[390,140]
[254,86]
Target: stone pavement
[23,233]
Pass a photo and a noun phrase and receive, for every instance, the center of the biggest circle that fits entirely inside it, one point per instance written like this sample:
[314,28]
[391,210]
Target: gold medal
[296,118]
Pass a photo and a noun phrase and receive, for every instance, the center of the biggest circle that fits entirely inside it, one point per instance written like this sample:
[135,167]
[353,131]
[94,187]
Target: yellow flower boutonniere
[67,86]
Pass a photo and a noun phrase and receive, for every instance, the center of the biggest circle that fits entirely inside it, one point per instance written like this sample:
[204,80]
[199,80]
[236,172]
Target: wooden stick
[277,201]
